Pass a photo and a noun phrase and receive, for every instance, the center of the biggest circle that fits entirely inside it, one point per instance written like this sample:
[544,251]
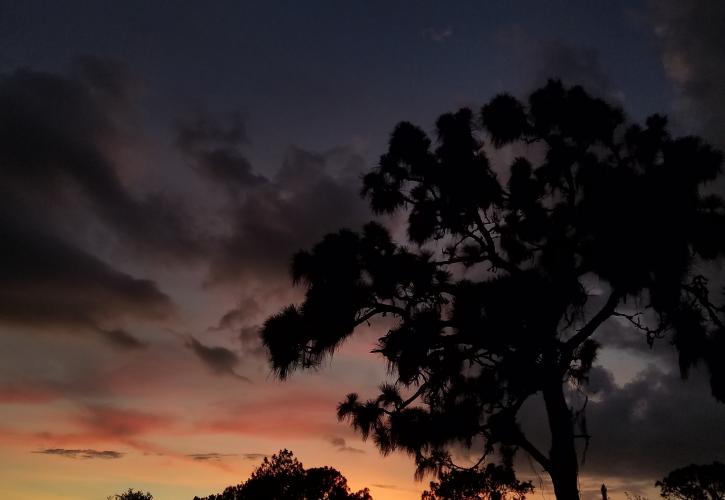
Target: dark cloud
[87,453]
[59,187]
[47,281]
[122,339]
[215,150]
[692,38]
[312,194]
[649,424]
[220,360]
[251,341]
[600,381]
[237,318]
[241,321]
[204,131]
[341,445]
[110,77]
[55,135]
[644,429]
[254,456]
[266,219]
[210,457]
[654,424]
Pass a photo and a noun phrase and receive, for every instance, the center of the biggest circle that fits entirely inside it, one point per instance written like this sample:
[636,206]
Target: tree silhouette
[694,482]
[493,482]
[132,495]
[507,277]
[284,478]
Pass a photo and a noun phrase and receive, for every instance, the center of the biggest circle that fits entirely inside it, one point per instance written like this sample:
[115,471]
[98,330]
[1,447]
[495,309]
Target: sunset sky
[161,161]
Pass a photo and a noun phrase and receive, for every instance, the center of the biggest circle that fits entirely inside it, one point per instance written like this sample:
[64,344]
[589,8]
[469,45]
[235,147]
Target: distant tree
[132,495]
[284,478]
[694,482]
[508,275]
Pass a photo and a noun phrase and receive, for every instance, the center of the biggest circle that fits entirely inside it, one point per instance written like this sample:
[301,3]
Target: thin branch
[412,398]
[634,320]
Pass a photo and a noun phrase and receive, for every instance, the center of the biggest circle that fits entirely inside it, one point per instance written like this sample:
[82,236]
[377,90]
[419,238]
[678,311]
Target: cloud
[220,360]
[206,457]
[438,35]
[263,220]
[247,312]
[87,453]
[386,486]
[111,77]
[61,192]
[654,424]
[341,445]
[692,43]
[214,148]
[111,422]
[122,339]
[56,133]
[25,393]
[643,429]
[311,194]
[241,321]
[47,281]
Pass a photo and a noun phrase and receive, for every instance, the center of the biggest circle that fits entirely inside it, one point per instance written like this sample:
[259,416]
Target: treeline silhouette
[282,477]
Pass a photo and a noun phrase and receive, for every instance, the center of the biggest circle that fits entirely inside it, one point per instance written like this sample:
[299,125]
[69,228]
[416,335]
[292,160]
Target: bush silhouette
[132,495]
[491,296]
[493,482]
[284,478]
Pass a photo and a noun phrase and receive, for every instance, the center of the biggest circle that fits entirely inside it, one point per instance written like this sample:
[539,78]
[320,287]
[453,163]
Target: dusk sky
[160,163]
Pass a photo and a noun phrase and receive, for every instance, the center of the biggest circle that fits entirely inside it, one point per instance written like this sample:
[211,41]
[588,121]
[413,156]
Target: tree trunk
[564,467]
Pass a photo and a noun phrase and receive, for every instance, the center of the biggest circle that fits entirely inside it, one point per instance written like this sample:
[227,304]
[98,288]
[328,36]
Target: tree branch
[532,450]
[588,330]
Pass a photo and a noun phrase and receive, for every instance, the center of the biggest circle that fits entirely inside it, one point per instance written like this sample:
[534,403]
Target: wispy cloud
[438,35]
[85,453]
[341,445]
[210,456]
[220,360]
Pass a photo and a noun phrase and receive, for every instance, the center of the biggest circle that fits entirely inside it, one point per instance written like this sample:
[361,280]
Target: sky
[160,162]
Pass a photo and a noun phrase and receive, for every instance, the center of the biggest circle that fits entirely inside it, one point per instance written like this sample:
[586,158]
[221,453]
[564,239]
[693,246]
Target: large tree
[509,273]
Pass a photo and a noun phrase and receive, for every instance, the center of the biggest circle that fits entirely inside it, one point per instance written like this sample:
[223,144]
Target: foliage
[284,478]
[132,495]
[694,482]
[492,482]
[491,297]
